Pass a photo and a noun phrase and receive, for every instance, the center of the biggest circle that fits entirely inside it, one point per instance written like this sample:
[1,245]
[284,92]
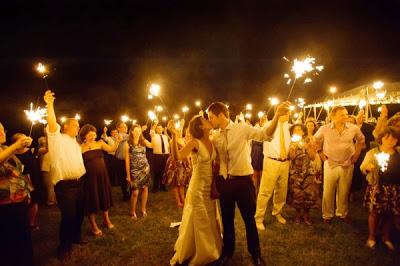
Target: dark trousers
[121,172]
[159,162]
[15,235]
[69,196]
[238,190]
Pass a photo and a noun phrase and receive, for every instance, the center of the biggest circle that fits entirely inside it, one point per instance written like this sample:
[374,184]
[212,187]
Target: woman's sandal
[109,225]
[97,233]
[371,244]
[144,214]
[133,216]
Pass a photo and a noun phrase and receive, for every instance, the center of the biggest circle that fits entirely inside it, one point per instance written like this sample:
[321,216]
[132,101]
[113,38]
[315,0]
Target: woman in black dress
[97,187]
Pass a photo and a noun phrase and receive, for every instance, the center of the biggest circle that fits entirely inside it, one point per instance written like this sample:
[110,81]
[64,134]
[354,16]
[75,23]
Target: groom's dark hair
[217,107]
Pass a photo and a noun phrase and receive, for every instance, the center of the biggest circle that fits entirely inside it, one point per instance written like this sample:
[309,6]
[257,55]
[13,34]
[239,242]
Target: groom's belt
[237,176]
[278,159]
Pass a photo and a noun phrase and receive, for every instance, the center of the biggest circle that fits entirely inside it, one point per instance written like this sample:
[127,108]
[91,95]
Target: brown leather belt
[278,159]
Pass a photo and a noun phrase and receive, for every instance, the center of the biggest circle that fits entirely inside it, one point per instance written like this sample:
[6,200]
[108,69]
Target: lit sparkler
[377,85]
[152,115]
[260,114]
[296,138]
[107,122]
[383,159]
[77,117]
[63,119]
[36,116]
[154,89]
[301,68]
[124,118]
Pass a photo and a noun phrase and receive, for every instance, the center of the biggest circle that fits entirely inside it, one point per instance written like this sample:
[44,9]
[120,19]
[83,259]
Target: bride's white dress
[199,237]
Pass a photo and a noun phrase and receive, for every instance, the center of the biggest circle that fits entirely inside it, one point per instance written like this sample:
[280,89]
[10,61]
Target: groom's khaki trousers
[273,180]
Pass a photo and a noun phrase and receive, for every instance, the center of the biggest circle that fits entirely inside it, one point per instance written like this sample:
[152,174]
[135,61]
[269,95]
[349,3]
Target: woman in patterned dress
[177,172]
[303,186]
[137,168]
[382,197]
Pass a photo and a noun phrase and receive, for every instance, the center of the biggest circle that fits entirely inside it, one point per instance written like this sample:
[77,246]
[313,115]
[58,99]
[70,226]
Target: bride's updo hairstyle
[195,127]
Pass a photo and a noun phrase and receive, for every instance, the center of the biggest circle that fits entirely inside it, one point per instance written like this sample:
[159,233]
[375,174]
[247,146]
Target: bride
[199,241]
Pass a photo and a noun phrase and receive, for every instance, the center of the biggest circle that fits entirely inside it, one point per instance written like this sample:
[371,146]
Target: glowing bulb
[198,103]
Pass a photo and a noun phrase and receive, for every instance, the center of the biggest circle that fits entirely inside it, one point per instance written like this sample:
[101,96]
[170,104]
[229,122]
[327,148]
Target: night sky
[102,57]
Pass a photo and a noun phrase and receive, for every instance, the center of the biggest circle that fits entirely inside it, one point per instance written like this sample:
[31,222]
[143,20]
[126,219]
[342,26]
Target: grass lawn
[150,241]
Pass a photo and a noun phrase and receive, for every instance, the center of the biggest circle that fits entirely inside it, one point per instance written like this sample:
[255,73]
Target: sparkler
[36,116]
[296,138]
[377,85]
[154,89]
[77,117]
[63,119]
[198,103]
[134,121]
[247,115]
[249,107]
[260,114]
[107,122]
[152,115]
[42,70]
[383,159]
[159,108]
[124,118]
[299,69]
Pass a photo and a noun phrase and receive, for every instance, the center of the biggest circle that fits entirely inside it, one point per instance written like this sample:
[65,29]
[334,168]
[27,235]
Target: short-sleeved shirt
[339,147]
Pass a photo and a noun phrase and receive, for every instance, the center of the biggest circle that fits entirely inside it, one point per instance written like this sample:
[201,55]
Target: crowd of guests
[304,165]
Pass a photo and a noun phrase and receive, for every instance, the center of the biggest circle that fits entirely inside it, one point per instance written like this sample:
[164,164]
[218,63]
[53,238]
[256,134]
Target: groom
[234,181]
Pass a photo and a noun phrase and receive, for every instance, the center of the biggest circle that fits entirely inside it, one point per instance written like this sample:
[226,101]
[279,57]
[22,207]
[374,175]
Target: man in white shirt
[67,168]
[234,182]
[161,152]
[275,179]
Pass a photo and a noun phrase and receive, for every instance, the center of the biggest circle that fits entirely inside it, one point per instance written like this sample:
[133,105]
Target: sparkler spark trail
[299,69]
[107,122]
[296,138]
[36,116]
[383,159]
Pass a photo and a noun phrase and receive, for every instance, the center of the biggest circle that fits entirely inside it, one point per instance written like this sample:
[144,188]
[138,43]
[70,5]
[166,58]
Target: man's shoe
[223,260]
[260,226]
[280,219]
[327,221]
[81,242]
[64,255]
[346,220]
[258,261]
